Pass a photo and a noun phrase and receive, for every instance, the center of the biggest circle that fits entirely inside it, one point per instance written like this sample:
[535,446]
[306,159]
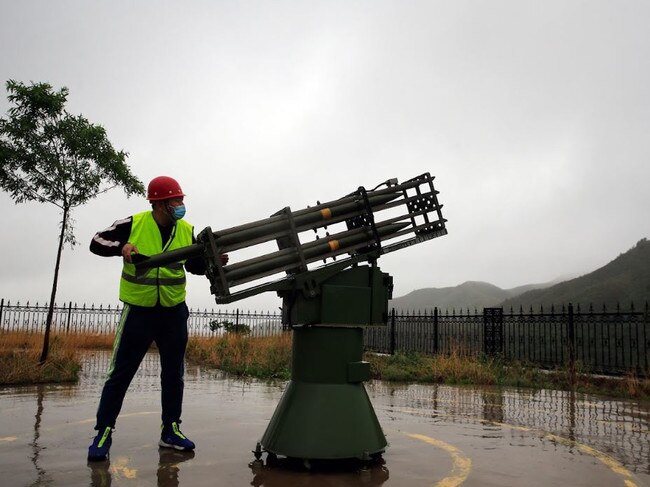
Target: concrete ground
[438,435]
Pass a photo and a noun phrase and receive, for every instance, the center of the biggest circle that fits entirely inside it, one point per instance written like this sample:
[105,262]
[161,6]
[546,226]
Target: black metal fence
[74,318]
[604,341]
[607,342]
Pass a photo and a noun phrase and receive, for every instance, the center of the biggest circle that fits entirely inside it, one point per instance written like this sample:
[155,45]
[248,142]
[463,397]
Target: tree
[230,327]
[50,156]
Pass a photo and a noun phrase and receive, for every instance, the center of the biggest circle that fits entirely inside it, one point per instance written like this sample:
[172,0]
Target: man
[154,311]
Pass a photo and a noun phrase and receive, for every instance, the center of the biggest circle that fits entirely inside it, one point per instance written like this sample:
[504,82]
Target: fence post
[2,305]
[237,318]
[572,351]
[392,331]
[645,337]
[67,325]
[493,331]
[435,329]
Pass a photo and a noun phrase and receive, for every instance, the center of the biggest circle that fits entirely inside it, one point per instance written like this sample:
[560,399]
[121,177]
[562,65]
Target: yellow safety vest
[164,285]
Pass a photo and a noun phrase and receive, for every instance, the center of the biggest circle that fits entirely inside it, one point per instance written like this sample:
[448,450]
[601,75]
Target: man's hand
[127,250]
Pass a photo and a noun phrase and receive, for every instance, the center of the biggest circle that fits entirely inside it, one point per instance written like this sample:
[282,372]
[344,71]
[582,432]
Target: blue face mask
[177,212]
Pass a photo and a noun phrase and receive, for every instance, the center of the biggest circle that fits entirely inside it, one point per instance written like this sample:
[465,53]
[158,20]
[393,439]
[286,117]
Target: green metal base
[325,412]
[325,422]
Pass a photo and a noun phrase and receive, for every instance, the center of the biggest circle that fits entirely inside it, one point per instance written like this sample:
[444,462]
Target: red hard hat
[163,188]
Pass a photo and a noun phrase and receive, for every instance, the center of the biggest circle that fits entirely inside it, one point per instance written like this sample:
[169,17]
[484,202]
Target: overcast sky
[533,116]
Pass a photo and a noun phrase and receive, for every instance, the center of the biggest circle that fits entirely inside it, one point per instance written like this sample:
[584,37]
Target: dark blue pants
[138,328]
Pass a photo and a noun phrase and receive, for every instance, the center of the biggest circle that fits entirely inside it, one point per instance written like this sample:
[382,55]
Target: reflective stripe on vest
[164,285]
[151,281]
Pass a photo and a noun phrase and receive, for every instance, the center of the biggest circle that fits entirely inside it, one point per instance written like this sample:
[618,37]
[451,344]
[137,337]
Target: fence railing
[74,318]
[607,342]
[604,341]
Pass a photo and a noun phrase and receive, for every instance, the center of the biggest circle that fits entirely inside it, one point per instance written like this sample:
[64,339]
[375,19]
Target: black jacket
[109,243]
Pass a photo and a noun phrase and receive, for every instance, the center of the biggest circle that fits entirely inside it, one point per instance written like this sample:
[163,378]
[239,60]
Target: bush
[230,327]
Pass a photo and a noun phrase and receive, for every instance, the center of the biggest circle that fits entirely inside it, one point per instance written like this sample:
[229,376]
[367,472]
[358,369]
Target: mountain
[470,294]
[624,280]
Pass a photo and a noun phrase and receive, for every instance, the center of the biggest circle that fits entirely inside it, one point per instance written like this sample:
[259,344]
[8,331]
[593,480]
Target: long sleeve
[196,265]
[109,242]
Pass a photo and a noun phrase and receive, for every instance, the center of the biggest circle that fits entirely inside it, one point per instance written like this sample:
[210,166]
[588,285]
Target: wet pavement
[438,435]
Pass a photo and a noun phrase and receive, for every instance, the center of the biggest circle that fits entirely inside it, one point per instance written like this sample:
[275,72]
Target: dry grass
[71,341]
[78,341]
[19,354]
[629,386]
[270,357]
[455,368]
[459,369]
[262,357]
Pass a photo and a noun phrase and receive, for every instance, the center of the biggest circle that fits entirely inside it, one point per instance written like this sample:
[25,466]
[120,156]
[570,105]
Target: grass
[242,355]
[19,355]
[459,369]
[71,341]
[270,358]
[20,351]
[415,367]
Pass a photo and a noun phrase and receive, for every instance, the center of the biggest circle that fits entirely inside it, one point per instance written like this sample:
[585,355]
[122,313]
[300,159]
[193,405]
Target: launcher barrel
[368,223]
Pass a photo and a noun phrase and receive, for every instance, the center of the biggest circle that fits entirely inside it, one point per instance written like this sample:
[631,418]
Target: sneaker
[98,450]
[171,437]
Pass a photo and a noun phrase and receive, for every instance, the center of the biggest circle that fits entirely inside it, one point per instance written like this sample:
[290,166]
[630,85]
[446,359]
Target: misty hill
[470,294]
[625,279]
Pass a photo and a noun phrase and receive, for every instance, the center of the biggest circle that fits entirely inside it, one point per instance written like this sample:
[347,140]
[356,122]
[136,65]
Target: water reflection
[168,466]
[168,473]
[492,407]
[291,472]
[619,428]
[41,474]
[100,474]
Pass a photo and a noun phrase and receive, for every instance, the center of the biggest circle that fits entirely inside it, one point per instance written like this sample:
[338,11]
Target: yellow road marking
[9,438]
[614,465]
[120,467]
[462,464]
[611,463]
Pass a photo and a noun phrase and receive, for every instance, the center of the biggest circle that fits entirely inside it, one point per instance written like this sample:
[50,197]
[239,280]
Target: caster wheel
[271,459]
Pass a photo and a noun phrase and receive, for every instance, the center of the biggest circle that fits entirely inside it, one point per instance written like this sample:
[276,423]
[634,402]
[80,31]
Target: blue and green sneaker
[172,437]
[98,450]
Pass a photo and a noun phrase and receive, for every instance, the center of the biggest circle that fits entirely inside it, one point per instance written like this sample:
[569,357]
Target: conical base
[324,421]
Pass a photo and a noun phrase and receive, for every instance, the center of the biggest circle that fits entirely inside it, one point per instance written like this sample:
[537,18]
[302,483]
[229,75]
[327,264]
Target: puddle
[438,435]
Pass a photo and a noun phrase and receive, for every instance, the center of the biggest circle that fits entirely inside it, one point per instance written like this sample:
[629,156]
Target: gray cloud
[533,116]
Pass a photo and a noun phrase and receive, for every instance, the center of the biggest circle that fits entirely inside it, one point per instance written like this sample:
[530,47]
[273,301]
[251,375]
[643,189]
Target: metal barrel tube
[312,251]
[375,197]
[237,237]
[169,257]
[308,245]
[277,225]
